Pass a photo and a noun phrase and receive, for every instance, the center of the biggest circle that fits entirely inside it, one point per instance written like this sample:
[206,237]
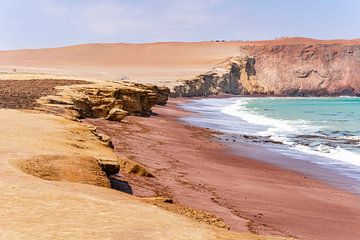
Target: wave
[339,154]
[289,132]
[276,126]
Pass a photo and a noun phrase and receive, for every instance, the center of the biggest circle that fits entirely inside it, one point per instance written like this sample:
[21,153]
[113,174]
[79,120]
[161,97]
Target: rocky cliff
[323,69]
[290,70]
[237,77]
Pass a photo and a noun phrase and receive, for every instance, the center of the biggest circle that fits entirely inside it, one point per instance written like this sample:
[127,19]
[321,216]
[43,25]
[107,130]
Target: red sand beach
[197,171]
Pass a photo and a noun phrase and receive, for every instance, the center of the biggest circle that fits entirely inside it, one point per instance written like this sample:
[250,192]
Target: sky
[53,23]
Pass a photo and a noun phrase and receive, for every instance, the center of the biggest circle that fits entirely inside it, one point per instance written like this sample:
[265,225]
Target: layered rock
[112,101]
[285,70]
[237,77]
[321,69]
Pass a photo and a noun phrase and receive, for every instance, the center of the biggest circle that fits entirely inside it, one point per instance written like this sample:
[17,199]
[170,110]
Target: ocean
[322,131]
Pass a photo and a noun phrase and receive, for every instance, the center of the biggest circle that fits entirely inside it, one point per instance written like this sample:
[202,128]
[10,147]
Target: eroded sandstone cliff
[112,101]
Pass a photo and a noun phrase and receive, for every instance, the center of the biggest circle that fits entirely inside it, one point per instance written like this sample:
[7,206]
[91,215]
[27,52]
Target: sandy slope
[162,63]
[32,208]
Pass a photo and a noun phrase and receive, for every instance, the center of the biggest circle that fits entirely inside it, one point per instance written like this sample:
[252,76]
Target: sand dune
[150,62]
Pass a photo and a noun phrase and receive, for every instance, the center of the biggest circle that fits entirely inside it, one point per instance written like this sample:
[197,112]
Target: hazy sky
[48,23]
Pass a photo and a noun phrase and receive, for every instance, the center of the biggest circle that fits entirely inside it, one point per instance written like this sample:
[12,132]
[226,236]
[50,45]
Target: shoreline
[196,171]
[280,154]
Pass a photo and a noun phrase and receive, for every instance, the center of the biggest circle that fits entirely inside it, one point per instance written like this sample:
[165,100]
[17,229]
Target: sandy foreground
[249,195]
[33,208]
[53,188]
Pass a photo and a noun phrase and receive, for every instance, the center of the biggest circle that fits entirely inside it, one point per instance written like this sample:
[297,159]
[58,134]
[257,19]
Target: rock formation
[282,70]
[237,77]
[321,69]
[112,101]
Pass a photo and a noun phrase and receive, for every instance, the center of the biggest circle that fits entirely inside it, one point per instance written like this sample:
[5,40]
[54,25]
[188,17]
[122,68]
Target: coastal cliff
[283,70]
[308,70]
[237,77]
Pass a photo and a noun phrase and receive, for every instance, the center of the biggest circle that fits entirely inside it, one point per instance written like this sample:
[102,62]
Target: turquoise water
[325,131]
[328,127]
[336,114]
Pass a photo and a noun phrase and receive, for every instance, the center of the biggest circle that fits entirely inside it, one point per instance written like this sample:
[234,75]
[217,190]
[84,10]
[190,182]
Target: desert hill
[286,66]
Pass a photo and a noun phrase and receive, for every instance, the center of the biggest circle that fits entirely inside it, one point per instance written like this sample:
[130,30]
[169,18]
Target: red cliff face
[321,69]
[300,69]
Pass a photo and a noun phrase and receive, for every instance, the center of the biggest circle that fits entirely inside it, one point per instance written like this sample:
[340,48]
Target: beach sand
[53,148]
[195,170]
[52,186]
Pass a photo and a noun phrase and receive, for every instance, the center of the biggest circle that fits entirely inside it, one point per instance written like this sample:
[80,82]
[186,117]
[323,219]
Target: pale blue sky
[49,23]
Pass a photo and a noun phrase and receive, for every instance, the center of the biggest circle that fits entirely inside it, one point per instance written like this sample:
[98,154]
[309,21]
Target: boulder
[116,114]
[109,166]
[131,167]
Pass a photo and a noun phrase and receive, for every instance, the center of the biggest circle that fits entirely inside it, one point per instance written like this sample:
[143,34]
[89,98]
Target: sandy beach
[195,170]
[54,188]
[180,120]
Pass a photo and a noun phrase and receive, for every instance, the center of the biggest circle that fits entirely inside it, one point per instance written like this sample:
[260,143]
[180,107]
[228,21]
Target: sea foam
[285,130]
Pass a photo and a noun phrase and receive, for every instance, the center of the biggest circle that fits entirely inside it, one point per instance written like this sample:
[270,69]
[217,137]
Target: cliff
[321,69]
[285,70]
[237,77]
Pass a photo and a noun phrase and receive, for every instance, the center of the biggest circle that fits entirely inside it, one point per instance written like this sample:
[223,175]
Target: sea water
[325,131]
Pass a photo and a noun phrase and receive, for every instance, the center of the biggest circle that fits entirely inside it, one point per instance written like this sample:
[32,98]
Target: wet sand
[195,170]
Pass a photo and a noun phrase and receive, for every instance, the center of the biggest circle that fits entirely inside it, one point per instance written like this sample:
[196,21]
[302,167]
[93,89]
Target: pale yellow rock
[116,114]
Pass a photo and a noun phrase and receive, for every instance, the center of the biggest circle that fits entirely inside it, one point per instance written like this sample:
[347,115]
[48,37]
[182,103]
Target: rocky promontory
[282,70]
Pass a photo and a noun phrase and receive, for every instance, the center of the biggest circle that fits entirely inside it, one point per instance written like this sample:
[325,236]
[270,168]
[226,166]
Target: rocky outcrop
[285,70]
[112,101]
[131,167]
[322,69]
[237,77]
[161,92]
